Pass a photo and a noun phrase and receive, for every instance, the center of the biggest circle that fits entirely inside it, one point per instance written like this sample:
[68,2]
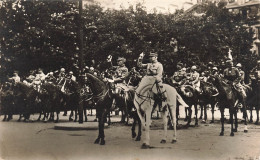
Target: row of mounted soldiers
[183,76]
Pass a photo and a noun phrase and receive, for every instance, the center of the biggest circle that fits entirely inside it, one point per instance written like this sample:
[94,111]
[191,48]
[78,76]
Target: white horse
[144,102]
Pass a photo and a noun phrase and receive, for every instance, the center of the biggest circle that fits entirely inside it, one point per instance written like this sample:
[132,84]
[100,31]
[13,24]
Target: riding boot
[164,93]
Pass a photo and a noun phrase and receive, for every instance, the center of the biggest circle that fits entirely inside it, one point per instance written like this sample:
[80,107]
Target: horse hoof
[56,121]
[174,141]
[203,121]
[70,119]
[75,120]
[196,124]
[256,123]
[185,119]
[138,139]
[232,134]
[64,114]
[102,142]
[145,146]
[95,120]
[163,141]
[245,131]
[211,122]
[96,141]
[86,120]
[234,130]
[221,134]
[200,118]
[251,121]
[133,135]
[18,120]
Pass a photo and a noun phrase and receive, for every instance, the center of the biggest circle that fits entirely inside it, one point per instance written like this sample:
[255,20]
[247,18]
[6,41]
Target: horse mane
[96,83]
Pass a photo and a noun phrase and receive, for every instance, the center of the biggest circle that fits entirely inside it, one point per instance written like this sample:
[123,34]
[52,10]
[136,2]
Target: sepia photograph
[129,79]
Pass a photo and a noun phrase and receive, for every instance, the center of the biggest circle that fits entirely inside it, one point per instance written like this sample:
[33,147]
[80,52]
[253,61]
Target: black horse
[25,100]
[53,100]
[253,99]
[207,96]
[229,98]
[103,97]
[7,101]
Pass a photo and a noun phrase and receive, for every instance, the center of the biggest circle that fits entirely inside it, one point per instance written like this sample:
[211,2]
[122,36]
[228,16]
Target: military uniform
[15,79]
[153,70]
[179,77]
[233,76]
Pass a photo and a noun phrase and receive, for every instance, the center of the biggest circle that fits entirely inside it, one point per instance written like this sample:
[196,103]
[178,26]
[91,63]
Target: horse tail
[180,100]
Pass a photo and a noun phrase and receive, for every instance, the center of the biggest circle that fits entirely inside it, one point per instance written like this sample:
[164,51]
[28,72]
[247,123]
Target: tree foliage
[43,34]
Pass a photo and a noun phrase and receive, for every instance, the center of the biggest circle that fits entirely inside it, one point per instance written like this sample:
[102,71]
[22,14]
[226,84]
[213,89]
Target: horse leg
[146,141]
[85,114]
[76,115]
[71,115]
[4,118]
[236,124]
[20,117]
[222,121]
[201,110]
[196,114]
[138,138]
[133,128]
[172,111]
[102,133]
[189,116]
[205,113]
[245,123]
[251,114]
[57,119]
[231,112]
[257,115]
[165,125]
[39,118]
[212,112]
[186,114]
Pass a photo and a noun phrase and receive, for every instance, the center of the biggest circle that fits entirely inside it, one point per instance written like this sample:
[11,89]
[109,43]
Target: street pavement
[41,141]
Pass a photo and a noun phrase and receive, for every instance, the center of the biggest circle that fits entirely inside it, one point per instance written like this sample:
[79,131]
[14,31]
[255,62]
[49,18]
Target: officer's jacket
[231,74]
[120,72]
[179,76]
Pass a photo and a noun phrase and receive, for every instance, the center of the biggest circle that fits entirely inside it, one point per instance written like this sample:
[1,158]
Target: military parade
[205,93]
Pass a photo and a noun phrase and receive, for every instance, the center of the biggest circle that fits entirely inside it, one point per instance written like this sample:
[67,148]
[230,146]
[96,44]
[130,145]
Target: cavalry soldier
[233,76]
[194,78]
[39,78]
[71,76]
[61,76]
[50,78]
[154,70]
[241,73]
[179,76]
[120,71]
[15,79]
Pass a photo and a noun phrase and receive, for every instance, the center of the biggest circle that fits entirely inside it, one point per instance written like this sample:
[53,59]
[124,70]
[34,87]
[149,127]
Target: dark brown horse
[103,97]
[229,98]
[253,100]
[208,96]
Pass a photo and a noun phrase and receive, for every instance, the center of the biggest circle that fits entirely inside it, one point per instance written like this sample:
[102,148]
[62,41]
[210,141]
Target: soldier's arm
[140,64]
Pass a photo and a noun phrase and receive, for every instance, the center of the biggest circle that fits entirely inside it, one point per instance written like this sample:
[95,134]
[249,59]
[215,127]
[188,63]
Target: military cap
[121,59]
[153,54]
[239,65]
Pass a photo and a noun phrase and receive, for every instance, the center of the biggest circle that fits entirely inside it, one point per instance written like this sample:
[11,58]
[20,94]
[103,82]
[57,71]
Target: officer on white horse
[154,70]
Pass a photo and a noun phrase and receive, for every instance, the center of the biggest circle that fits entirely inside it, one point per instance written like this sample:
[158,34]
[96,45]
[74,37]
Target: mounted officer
[120,71]
[233,76]
[193,78]
[154,70]
[61,76]
[15,79]
[179,76]
[50,78]
[39,78]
